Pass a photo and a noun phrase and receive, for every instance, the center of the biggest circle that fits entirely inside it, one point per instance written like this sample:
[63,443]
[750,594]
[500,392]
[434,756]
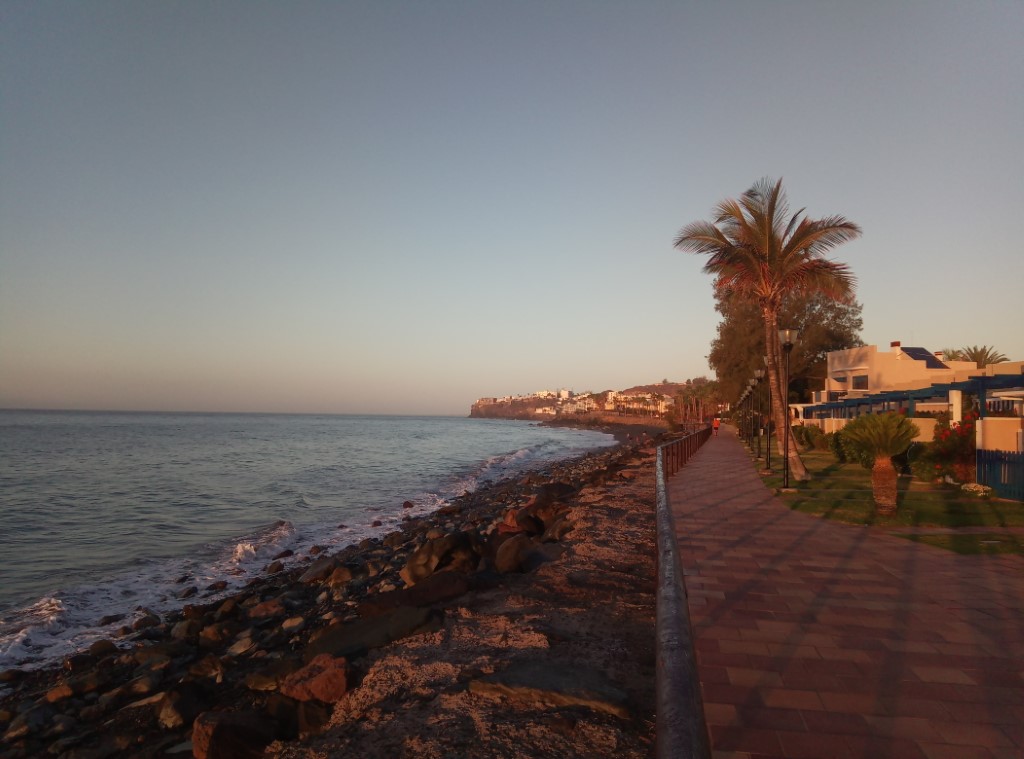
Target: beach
[516,621]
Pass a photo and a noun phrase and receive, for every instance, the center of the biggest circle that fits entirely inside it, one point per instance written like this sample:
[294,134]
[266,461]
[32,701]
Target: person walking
[715,424]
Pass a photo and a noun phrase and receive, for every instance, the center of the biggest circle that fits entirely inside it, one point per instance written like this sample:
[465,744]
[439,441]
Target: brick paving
[821,640]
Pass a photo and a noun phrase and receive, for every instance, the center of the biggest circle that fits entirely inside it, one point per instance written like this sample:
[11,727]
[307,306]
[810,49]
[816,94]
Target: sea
[106,514]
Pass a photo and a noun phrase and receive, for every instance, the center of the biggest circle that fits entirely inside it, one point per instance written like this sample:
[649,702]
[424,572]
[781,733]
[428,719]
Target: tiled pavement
[823,640]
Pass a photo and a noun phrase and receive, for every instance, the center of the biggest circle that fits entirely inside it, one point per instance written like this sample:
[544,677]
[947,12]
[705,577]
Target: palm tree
[760,253]
[881,436]
[982,356]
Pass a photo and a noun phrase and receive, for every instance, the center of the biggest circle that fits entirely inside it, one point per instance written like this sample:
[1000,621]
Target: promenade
[824,640]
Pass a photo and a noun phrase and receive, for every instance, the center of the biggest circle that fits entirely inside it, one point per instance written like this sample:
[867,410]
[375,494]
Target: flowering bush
[950,454]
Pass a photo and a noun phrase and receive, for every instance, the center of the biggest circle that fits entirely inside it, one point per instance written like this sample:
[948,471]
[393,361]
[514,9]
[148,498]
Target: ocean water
[109,513]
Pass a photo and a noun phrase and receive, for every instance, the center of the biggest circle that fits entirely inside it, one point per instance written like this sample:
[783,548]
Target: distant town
[657,400]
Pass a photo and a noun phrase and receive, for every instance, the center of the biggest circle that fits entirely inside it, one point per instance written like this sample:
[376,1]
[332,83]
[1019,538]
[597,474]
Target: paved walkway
[823,640]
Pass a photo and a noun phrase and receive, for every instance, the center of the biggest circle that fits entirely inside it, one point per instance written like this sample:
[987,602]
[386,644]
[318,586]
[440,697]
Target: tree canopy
[739,347]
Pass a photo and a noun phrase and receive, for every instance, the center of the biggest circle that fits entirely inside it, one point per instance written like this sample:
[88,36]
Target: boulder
[353,639]
[438,587]
[103,648]
[511,553]
[234,734]
[181,705]
[556,531]
[324,678]
[267,609]
[319,569]
[340,576]
[186,629]
[458,550]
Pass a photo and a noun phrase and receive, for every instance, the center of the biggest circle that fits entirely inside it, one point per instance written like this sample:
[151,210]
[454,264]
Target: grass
[842,492]
[985,543]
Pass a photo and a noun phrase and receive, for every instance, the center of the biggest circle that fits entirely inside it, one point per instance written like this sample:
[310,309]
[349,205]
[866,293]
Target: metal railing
[680,731]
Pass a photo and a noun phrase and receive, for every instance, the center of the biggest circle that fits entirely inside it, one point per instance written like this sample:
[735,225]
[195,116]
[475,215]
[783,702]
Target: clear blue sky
[398,207]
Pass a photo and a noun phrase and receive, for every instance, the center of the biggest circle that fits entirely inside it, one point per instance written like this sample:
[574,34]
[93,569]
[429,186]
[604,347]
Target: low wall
[1000,433]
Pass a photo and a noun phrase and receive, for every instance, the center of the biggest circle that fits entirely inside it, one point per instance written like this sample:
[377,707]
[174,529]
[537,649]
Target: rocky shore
[516,622]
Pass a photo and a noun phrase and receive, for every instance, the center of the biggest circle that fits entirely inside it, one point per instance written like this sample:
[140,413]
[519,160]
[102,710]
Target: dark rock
[319,569]
[459,550]
[188,592]
[148,620]
[103,648]
[267,609]
[340,576]
[511,553]
[214,635]
[78,662]
[438,587]
[110,619]
[186,629]
[231,735]
[215,586]
[181,705]
[33,721]
[395,539]
[557,531]
[350,640]
[408,505]
[274,567]
[208,667]
[284,554]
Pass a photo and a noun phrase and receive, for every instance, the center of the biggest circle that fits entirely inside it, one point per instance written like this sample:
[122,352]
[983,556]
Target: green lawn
[843,492]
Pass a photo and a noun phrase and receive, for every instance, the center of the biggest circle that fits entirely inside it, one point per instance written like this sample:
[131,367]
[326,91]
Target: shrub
[835,444]
[922,462]
[820,440]
[880,437]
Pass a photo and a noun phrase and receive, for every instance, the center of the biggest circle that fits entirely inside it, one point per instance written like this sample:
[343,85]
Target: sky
[399,207]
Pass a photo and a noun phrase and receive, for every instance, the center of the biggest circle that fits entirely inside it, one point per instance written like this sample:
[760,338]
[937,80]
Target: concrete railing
[680,731]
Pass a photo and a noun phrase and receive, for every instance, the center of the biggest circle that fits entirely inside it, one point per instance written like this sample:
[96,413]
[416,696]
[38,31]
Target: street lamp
[758,376]
[787,337]
[752,384]
[768,442]
[740,406]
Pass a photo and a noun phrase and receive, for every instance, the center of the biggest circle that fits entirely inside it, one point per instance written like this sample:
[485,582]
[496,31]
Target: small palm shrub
[880,437]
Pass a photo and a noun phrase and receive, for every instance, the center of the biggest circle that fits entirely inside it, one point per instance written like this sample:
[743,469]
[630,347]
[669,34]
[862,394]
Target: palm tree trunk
[780,399]
[883,485]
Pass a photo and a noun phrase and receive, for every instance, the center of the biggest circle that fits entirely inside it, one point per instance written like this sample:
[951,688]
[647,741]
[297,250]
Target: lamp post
[758,376]
[787,337]
[740,426]
[768,441]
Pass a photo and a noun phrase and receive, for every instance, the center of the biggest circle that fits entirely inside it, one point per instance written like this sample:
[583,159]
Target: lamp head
[759,374]
[788,337]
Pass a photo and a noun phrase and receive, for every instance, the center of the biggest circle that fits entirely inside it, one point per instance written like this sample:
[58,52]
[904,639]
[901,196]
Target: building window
[860,382]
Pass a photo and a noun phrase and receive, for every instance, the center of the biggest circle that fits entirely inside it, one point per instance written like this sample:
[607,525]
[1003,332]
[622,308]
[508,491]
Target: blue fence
[1003,472]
